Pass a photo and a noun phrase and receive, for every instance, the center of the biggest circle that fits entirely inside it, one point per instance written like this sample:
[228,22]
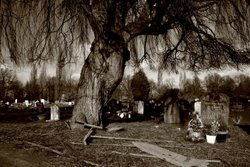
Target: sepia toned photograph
[124,83]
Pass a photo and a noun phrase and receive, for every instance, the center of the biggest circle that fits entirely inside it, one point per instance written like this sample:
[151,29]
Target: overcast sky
[23,74]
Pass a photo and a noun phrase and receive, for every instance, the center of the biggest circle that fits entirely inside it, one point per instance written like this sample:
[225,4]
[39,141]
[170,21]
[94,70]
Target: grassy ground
[15,138]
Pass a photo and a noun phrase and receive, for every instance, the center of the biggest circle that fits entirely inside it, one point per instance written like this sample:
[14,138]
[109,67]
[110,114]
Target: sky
[23,74]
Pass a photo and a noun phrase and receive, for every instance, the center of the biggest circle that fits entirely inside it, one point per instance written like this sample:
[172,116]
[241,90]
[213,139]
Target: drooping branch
[34,30]
[201,47]
[134,28]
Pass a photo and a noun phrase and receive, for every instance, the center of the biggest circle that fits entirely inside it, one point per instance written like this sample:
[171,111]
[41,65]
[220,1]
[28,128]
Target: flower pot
[211,139]
[221,136]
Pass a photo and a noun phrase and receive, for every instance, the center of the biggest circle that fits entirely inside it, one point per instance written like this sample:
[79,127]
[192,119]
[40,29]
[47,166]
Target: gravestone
[215,107]
[141,107]
[40,107]
[240,111]
[172,113]
[197,106]
[135,107]
[171,107]
[43,101]
[26,102]
[54,113]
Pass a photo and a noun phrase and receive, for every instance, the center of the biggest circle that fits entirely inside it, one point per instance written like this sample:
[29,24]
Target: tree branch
[137,26]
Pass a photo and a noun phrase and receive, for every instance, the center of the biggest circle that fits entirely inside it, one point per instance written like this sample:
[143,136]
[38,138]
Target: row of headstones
[215,107]
[209,109]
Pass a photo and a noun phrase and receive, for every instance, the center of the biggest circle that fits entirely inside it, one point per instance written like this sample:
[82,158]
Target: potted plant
[195,128]
[222,132]
[211,131]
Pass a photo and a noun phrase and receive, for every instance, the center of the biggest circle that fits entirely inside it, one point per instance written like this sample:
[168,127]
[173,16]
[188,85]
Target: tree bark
[102,72]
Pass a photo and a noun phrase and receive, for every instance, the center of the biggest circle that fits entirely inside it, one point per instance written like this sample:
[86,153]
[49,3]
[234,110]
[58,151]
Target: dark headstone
[240,111]
[215,107]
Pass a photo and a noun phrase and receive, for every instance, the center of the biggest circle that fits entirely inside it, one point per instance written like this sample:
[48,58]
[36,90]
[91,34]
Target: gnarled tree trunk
[102,72]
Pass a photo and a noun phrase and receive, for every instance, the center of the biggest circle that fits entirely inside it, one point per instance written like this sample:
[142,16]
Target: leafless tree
[42,82]
[192,88]
[213,83]
[32,86]
[228,86]
[193,34]
[242,88]
[7,78]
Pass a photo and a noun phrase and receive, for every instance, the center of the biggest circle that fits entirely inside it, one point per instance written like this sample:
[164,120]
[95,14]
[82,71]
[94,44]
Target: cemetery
[51,137]
[123,83]
[209,131]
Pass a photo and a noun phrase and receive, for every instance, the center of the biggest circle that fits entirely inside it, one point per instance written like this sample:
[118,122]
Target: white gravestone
[54,113]
[197,107]
[141,107]
[43,101]
[26,102]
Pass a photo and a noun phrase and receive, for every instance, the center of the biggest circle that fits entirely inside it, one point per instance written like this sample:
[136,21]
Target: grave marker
[171,107]
[26,102]
[54,113]
[141,107]
[215,107]
[172,113]
[43,101]
[240,111]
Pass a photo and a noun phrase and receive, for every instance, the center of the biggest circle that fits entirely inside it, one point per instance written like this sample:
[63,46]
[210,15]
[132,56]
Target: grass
[114,153]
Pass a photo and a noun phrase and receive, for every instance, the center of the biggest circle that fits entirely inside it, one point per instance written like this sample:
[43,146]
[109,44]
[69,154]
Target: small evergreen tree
[140,86]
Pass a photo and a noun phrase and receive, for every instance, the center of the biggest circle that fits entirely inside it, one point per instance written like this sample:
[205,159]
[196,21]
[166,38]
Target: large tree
[193,34]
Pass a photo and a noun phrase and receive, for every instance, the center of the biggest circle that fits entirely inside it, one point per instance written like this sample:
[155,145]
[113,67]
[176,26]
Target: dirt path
[9,156]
